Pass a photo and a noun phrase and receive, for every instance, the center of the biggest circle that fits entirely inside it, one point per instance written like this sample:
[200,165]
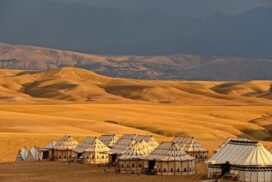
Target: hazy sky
[184,7]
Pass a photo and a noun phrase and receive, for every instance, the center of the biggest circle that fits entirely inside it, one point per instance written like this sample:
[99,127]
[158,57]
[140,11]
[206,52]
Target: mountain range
[102,30]
[172,67]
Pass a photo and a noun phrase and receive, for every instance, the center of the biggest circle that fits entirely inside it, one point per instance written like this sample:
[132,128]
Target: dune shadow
[258,134]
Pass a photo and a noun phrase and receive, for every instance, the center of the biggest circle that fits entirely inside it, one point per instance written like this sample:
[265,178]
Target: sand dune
[78,85]
[37,107]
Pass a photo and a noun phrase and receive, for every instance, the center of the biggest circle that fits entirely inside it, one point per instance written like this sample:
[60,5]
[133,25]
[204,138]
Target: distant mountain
[111,31]
[192,8]
[178,67]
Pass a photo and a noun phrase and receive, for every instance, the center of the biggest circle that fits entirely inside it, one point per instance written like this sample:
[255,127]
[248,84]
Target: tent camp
[22,155]
[121,146]
[64,148]
[92,150]
[169,159]
[132,160]
[192,147]
[245,160]
[149,139]
[109,140]
[47,153]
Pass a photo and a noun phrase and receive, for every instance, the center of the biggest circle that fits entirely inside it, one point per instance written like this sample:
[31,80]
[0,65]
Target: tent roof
[91,144]
[122,145]
[138,150]
[242,153]
[169,151]
[66,143]
[148,139]
[51,145]
[128,136]
[234,140]
[109,140]
[189,144]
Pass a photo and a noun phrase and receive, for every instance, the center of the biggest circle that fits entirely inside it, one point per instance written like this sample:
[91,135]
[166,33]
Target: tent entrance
[45,155]
[113,158]
[151,166]
[79,155]
[225,169]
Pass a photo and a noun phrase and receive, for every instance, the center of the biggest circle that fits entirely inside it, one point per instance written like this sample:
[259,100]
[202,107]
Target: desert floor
[36,108]
[29,125]
[56,171]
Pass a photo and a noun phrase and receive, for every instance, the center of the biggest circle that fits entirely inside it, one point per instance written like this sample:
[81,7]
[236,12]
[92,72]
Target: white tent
[169,159]
[149,139]
[247,160]
[92,150]
[47,152]
[192,147]
[35,153]
[121,146]
[29,156]
[63,150]
[51,145]
[132,160]
[22,155]
[109,140]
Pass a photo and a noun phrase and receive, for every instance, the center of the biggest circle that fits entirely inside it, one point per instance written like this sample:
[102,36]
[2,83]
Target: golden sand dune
[37,107]
[78,85]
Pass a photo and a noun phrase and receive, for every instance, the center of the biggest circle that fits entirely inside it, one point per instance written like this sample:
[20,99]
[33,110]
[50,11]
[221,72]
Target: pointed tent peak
[149,139]
[109,139]
[138,150]
[91,144]
[170,146]
[66,143]
[189,144]
[35,153]
[51,145]
[22,154]
[122,145]
[259,156]
[169,151]
[33,148]
[133,141]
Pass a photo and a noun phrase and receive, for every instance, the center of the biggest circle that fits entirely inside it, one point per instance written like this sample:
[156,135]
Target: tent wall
[255,174]
[131,166]
[63,155]
[175,167]
[245,174]
[51,154]
[199,156]
[214,170]
[95,158]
